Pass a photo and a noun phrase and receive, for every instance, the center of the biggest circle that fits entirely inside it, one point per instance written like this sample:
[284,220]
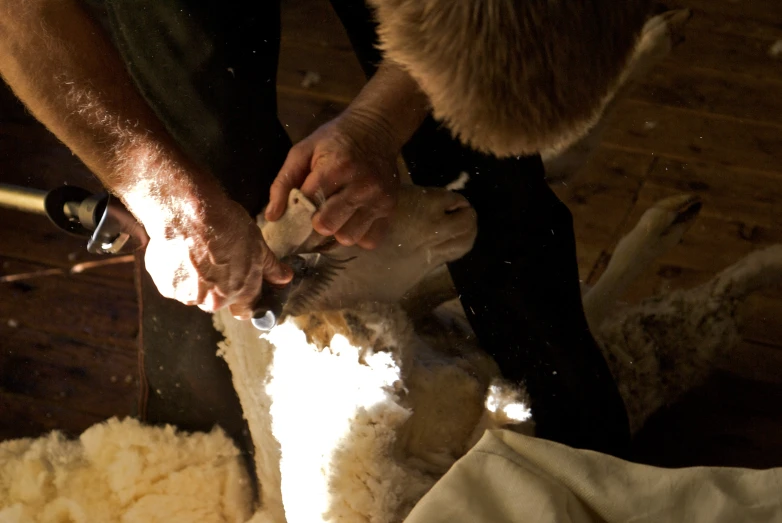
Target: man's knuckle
[299,149]
[346,238]
[345,162]
[386,204]
[328,220]
[371,190]
[369,243]
[340,173]
[357,199]
[281,183]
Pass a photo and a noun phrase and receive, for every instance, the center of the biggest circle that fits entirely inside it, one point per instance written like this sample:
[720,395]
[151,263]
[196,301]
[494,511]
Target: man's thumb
[276,272]
[292,174]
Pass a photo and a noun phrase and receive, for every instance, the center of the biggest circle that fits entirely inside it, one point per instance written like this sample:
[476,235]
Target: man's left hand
[348,165]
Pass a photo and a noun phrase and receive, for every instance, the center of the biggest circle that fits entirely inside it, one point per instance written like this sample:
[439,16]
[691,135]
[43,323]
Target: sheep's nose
[460,202]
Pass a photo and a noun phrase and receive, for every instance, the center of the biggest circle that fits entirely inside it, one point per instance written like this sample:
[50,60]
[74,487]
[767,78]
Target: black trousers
[210,75]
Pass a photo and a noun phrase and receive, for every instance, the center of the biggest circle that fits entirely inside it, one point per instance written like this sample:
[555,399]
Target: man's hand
[217,261]
[351,161]
[349,164]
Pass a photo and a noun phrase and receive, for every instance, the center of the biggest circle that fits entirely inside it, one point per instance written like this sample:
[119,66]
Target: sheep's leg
[668,344]
[658,37]
[716,318]
[757,270]
[659,229]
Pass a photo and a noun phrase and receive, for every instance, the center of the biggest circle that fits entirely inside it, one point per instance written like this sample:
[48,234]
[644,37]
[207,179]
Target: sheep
[432,226]
[356,408]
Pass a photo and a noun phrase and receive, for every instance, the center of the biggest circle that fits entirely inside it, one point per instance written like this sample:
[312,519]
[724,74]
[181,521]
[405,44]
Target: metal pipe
[22,199]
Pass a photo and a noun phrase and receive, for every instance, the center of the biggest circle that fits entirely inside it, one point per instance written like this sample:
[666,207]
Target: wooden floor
[707,121]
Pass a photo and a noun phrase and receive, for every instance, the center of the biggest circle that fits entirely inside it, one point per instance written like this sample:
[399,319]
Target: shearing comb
[312,273]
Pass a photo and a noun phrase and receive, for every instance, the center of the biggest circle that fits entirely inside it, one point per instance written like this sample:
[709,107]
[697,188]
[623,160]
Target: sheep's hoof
[684,209]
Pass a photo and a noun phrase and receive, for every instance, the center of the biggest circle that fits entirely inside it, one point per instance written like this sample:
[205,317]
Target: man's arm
[393,102]
[59,62]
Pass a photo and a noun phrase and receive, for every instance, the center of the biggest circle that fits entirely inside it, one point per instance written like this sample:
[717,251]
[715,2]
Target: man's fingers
[212,302]
[274,271]
[270,270]
[377,232]
[292,174]
[356,227]
[338,209]
[240,312]
[242,307]
[326,179]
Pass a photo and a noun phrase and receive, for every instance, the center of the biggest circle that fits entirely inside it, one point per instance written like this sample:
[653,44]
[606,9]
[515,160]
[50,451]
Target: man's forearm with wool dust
[60,63]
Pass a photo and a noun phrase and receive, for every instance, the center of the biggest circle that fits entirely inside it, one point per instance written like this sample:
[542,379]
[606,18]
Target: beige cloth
[509,477]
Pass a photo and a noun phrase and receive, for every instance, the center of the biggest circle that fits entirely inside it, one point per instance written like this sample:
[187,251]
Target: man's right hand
[215,260]
[204,249]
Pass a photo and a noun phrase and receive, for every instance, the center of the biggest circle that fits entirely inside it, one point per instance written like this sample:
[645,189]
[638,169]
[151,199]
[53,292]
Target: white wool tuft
[350,395]
[503,401]
[459,183]
[124,471]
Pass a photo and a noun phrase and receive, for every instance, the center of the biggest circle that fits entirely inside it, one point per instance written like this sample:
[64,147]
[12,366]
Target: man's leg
[519,284]
[209,71]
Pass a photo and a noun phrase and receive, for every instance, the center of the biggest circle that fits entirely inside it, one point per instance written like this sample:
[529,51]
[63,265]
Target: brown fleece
[513,77]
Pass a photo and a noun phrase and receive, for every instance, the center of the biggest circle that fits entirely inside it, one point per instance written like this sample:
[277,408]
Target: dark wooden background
[708,120]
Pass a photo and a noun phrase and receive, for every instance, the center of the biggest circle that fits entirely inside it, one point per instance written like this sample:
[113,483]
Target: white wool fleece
[126,472]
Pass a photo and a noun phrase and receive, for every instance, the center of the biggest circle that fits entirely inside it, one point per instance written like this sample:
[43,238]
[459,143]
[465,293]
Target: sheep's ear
[300,203]
[286,235]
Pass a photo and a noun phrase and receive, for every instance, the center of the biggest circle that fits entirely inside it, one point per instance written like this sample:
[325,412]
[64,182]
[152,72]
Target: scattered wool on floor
[121,470]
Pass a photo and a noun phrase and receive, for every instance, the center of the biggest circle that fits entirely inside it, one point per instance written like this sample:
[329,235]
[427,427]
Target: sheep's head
[430,226]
